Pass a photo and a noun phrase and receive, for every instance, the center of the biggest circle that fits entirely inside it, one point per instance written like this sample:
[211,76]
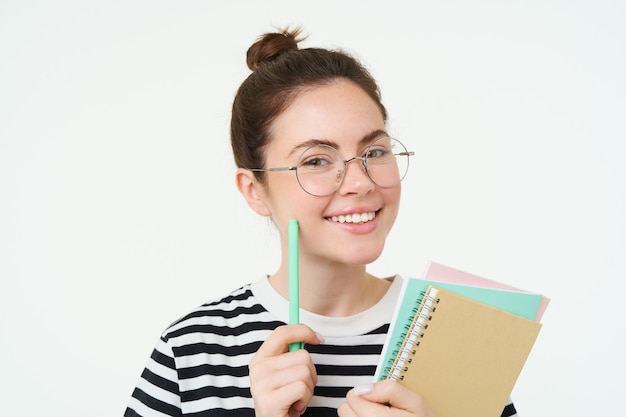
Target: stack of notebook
[460,341]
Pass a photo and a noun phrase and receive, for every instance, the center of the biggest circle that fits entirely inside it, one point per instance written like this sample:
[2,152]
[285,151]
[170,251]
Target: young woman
[309,137]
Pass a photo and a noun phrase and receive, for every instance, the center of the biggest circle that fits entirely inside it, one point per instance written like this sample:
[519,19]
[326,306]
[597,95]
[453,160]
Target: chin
[362,256]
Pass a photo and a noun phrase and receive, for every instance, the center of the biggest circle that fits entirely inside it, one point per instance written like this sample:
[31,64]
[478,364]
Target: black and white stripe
[200,365]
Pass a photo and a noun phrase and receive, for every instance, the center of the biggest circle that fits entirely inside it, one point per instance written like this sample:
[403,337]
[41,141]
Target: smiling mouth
[354,218]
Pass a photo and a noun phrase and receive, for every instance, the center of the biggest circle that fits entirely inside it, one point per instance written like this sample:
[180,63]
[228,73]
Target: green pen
[294,280]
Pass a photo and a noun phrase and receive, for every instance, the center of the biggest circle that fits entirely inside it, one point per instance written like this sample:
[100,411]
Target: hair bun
[271,45]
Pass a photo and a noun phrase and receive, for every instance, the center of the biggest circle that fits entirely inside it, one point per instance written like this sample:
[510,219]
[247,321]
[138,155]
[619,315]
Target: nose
[355,180]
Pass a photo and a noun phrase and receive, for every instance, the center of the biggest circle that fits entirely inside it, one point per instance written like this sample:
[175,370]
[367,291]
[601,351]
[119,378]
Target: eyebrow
[369,137]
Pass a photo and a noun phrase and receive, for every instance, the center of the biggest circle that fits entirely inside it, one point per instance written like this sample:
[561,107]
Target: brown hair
[280,72]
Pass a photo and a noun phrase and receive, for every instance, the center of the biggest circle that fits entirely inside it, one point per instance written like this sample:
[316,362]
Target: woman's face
[343,115]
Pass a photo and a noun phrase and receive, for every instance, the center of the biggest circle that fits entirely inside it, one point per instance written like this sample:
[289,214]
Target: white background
[118,210]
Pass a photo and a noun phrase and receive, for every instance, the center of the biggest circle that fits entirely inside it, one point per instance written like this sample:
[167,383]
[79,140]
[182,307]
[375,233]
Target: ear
[252,191]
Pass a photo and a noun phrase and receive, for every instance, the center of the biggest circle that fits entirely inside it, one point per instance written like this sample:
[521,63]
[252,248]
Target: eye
[318,158]
[377,152]
[315,162]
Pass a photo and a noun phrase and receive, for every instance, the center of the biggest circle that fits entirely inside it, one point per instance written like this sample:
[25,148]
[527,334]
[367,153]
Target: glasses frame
[363,160]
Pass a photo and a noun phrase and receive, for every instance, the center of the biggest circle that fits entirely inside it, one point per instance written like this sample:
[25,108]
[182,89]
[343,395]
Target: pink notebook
[442,273]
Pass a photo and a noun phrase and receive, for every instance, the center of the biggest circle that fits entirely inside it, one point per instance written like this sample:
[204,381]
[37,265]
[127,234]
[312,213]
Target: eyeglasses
[320,170]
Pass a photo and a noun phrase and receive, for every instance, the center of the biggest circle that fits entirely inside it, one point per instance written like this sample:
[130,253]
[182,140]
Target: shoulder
[233,314]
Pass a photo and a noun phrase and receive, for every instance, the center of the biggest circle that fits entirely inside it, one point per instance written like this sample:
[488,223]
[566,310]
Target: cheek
[392,204]
[287,200]
[282,187]
[392,197]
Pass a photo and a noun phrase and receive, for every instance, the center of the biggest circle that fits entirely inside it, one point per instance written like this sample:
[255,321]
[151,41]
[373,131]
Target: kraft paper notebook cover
[524,304]
[462,356]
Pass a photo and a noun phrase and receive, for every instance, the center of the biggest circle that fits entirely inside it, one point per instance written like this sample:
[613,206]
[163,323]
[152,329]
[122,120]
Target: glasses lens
[387,162]
[320,170]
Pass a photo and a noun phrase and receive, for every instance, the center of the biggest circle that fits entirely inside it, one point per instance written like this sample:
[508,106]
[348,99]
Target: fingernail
[320,337]
[363,389]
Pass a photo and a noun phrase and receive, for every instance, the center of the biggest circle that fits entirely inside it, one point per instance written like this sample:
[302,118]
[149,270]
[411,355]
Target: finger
[288,390]
[391,393]
[282,368]
[344,410]
[297,394]
[281,380]
[361,402]
[279,340]
[278,371]
[284,382]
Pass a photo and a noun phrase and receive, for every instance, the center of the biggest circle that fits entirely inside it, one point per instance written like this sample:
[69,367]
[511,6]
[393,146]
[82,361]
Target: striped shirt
[199,367]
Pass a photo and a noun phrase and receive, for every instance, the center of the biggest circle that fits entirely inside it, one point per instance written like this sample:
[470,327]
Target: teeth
[354,218]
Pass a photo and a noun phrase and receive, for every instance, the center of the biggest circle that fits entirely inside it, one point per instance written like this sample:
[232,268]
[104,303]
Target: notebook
[442,273]
[524,304]
[461,355]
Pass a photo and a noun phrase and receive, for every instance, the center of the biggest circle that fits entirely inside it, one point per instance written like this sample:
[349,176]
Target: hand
[282,382]
[385,398]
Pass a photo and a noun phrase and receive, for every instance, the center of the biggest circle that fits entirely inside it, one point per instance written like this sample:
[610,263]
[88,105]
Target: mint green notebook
[519,303]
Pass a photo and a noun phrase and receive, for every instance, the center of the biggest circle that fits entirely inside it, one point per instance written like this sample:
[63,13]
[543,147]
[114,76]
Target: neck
[331,289]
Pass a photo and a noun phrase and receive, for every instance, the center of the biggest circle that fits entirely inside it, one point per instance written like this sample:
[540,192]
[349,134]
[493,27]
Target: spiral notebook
[517,302]
[461,355]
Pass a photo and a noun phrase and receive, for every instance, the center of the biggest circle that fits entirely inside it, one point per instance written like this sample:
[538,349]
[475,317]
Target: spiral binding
[407,348]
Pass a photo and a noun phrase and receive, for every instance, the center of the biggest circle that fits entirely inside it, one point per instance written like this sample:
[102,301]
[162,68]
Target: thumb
[278,341]
[380,392]
[393,394]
